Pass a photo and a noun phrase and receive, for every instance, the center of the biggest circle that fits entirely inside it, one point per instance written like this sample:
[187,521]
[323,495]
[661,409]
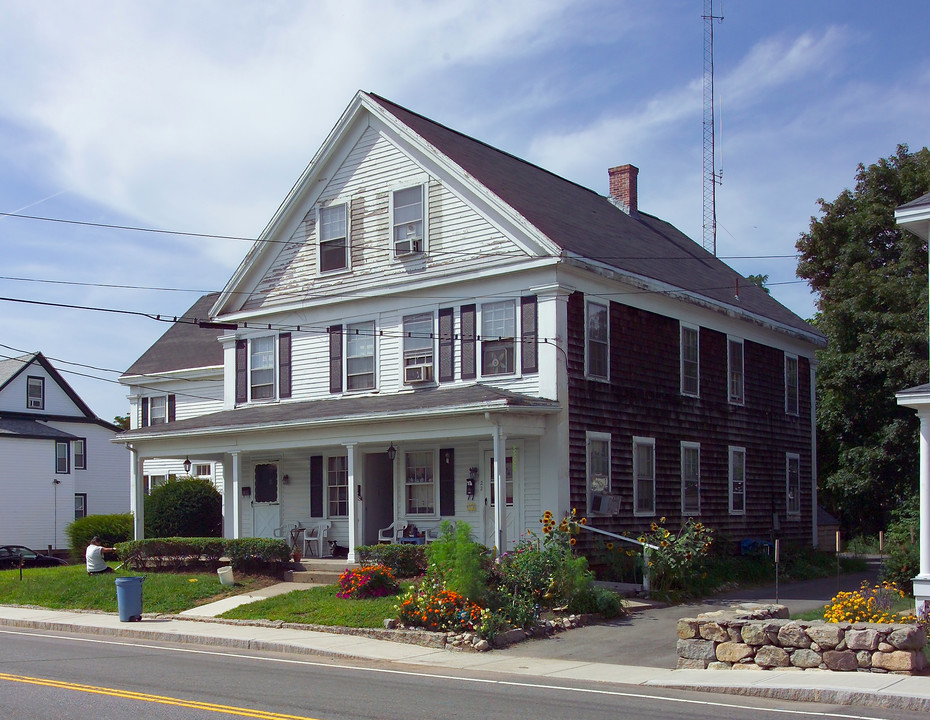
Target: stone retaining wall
[761,637]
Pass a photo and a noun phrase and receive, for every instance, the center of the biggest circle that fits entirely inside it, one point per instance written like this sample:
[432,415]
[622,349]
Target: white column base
[921,594]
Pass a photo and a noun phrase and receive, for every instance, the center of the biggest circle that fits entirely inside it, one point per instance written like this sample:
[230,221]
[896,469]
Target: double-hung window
[690,361]
[419,488]
[597,332]
[337,485]
[791,384]
[735,371]
[498,330]
[360,356]
[418,348]
[80,453]
[158,409]
[407,221]
[598,469]
[793,483]
[62,457]
[644,476]
[261,368]
[737,480]
[35,393]
[334,237]
[690,478]
[80,505]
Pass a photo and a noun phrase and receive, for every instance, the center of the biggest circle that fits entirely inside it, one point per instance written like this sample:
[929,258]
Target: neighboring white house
[57,461]
[915,216]
[430,328]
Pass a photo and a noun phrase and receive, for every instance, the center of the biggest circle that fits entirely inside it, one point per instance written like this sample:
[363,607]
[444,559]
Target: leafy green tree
[121,421]
[759,280]
[871,278]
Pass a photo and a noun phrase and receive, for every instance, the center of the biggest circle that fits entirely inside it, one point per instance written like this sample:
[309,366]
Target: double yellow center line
[143,697]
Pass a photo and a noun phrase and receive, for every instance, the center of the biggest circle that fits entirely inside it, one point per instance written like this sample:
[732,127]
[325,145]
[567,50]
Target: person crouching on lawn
[94,557]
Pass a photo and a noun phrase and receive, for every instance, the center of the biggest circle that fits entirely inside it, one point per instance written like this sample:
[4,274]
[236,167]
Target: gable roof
[12,367]
[590,226]
[185,345]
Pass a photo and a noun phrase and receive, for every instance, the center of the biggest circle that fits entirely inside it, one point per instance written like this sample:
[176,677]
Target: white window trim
[345,202]
[158,396]
[587,371]
[434,350]
[41,383]
[681,357]
[326,486]
[636,442]
[741,400]
[789,358]
[590,437]
[274,372]
[423,184]
[789,457]
[690,446]
[516,340]
[345,356]
[413,517]
[731,451]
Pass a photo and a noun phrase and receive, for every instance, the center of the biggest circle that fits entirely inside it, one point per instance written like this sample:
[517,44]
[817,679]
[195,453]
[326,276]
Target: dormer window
[334,238]
[35,393]
[407,221]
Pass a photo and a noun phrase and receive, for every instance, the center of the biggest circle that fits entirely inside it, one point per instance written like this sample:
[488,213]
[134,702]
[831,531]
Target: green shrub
[403,561]
[674,560]
[189,507]
[263,555]
[597,599]
[369,581]
[111,529]
[458,561]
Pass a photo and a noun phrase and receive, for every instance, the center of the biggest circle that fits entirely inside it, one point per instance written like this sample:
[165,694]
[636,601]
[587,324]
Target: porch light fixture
[392,452]
[187,465]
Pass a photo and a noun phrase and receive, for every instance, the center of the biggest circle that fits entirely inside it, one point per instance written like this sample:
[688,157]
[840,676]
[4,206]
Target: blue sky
[199,117]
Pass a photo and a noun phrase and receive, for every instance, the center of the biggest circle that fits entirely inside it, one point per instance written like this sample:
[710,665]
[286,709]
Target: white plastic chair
[390,533]
[314,534]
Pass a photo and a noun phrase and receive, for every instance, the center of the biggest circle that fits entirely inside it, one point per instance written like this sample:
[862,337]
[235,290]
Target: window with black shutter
[284,365]
[172,408]
[145,412]
[335,358]
[529,349]
[316,486]
[242,371]
[446,347]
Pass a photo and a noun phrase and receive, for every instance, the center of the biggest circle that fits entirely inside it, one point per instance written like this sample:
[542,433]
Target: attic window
[35,393]
[334,237]
[407,221]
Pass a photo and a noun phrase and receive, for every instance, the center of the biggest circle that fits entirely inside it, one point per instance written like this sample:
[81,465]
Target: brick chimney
[623,187]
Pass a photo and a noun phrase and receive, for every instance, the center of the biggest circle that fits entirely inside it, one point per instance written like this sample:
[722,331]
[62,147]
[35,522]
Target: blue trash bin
[129,598]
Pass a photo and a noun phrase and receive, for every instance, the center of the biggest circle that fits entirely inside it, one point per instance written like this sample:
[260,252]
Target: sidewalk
[877,690]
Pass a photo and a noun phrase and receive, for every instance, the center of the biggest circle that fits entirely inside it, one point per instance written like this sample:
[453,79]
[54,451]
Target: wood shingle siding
[643,398]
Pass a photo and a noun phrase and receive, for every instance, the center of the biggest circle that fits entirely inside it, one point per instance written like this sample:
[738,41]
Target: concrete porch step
[319,571]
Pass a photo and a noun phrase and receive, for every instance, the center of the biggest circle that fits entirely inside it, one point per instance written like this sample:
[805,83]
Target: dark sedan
[12,555]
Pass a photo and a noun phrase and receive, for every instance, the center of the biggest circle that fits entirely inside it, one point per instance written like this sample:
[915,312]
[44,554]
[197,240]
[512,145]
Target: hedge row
[249,554]
[402,560]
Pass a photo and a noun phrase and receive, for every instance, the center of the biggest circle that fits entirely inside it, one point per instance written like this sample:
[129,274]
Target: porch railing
[647,584]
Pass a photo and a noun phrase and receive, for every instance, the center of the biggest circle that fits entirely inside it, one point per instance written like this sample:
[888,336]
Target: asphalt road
[623,641]
[69,677]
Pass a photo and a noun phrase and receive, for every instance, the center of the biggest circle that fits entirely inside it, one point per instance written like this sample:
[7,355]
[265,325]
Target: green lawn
[69,587]
[319,606]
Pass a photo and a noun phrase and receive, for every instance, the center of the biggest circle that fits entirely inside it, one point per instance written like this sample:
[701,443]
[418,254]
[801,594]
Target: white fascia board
[185,374]
[916,400]
[916,220]
[399,287]
[283,218]
[652,285]
[308,423]
[464,186]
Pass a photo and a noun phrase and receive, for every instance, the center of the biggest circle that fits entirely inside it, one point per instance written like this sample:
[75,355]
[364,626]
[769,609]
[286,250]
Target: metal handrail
[647,579]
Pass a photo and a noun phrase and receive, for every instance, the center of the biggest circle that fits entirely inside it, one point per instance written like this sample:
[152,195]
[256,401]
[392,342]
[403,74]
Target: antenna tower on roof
[711,177]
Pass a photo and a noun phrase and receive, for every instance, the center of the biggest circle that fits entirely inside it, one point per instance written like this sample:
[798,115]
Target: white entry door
[266,508]
[512,500]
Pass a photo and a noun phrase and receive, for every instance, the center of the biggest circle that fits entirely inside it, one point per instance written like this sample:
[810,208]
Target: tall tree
[872,283]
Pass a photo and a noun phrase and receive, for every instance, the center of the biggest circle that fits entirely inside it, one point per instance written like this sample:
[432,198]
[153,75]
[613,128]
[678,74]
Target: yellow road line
[143,697]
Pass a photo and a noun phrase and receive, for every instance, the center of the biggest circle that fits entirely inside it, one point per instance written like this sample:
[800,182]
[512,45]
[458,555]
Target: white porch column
[500,489]
[234,483]
[136,494]
[355,501]
[922,581]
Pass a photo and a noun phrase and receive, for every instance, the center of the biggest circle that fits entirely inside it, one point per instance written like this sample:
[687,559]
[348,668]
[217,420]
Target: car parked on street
[12,555]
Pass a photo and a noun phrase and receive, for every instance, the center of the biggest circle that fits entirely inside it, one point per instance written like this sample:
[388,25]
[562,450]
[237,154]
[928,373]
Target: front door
[511,511]
[378,496]
[266,509]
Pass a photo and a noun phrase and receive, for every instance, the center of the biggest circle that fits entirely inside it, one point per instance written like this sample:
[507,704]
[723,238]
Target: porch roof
[32,429]
[418,404]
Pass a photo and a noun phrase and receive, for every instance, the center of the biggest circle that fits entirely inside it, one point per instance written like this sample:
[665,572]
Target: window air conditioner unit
[418,373]
[603,504]
[408,246]
[35,403]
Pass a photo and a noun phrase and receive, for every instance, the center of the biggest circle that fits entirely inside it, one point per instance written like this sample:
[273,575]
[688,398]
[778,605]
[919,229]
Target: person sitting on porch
[96,565]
